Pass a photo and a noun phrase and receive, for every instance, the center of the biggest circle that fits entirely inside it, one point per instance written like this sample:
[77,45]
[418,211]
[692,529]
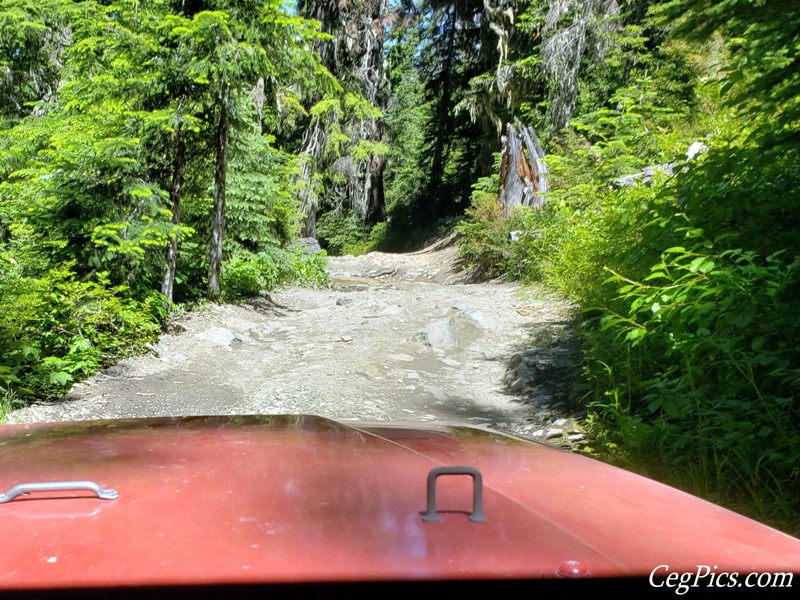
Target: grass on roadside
[8,403]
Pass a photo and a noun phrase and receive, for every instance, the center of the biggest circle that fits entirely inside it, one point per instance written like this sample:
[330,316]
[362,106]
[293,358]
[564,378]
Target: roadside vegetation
[688,280]
[139,170]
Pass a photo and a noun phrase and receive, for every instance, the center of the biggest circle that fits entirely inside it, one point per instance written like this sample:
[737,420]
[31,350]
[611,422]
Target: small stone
[521,378]
[402,357]
[218,336]
[176,328]
[392,311]
[309,245]
[437,392]
[560,422]
[519,384]
[344,301]
[575,437]
[515,361]
[474,317]
[554,433]
[346,338]
[437,335]
[370,302]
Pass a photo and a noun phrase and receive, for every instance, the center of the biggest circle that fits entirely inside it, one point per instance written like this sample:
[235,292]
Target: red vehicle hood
[260,499]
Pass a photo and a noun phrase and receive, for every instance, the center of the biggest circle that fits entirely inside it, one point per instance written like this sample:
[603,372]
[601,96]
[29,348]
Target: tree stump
[523,173]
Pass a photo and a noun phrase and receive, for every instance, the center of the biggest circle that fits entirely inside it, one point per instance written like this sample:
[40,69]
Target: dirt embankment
[398,337]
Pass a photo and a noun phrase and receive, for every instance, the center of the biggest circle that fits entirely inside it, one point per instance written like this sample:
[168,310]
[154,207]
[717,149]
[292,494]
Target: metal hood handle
[477,492]
[58,486]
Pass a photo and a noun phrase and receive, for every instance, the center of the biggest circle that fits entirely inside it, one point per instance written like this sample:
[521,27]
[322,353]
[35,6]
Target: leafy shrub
[246,275]
[240,279]
[493,244]
[344,234]
[307,270]
[8,400]
[56,329]
[711,364]
[340,233]
[485,241]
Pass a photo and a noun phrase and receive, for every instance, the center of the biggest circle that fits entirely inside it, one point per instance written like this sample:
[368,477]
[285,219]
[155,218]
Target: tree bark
[375,201]
[443,109]
[355,56]
[523,179]
[218,217]
[175,191]
[538,165]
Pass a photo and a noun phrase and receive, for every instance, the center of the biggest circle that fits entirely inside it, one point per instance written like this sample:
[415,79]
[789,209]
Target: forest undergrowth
[688,279]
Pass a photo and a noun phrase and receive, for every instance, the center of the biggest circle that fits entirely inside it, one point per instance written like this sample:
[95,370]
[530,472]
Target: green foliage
[261,211]
[57,329]
[689,282]
[710,365]
[761,77]
[33,34]
[628,136]
[345,234]
[246,275]
[241,279]
[89,177]
[405,122]
[485,243]
[307,270]
[8,399]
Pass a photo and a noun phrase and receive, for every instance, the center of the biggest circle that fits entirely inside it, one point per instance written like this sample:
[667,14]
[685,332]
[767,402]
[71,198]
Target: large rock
[310,245]
[473,317]
[219,336]
[438,335]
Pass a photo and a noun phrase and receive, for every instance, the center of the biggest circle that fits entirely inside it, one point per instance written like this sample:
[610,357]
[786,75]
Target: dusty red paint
[296,498]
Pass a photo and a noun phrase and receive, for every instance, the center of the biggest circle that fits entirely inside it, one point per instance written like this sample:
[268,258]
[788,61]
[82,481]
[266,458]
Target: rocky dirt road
[398,337]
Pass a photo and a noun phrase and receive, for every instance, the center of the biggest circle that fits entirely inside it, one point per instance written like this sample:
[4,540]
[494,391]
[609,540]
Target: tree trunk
[218,217]
[443,109]
[175,191]
[523,179]
[375,201]
[355,55]
[313,147]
